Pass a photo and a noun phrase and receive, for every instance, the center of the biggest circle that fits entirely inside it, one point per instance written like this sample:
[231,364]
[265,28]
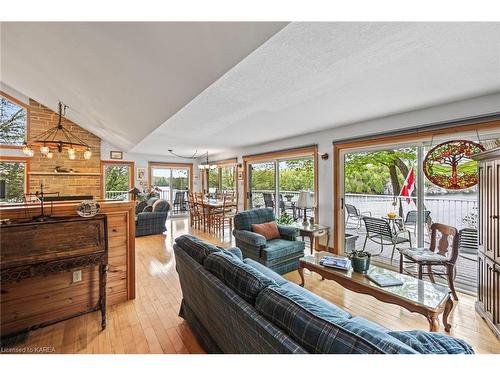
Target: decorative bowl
[392,215]
[88,208]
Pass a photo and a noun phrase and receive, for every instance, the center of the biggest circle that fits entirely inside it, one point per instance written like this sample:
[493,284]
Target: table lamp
[305,202]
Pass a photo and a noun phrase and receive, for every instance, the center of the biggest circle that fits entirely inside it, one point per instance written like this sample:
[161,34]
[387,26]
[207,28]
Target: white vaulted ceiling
[122,80]
[153,87]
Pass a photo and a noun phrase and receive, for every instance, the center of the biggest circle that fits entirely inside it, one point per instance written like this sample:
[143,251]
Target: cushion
[433,343]
[423,255]
[266,271]
[268,230]
[161,205]
[196,248]
[318,329]
[243,279]
[236,252]
[152,200]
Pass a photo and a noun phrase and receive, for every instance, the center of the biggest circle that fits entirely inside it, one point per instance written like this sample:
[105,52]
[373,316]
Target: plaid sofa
[151,216]
[281,255]
[236,305]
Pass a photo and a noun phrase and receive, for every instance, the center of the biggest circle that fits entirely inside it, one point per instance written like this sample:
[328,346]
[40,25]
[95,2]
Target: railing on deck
[118,195]
[446,210]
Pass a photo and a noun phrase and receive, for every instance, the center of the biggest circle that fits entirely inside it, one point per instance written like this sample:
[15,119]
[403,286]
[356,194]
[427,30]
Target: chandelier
[202,165]
[58,139]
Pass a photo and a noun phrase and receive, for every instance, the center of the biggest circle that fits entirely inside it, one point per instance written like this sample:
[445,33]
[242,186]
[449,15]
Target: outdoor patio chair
[380,232]
[353,212]
[468,244]
[179,201]
[269,201]
[443,251]
[411,219]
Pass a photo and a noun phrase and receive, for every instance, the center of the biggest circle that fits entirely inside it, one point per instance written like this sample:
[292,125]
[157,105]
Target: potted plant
[285,219]
[360,260]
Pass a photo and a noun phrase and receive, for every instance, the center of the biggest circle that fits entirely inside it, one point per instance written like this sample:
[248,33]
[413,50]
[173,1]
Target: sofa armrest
[288,232]
[250,238]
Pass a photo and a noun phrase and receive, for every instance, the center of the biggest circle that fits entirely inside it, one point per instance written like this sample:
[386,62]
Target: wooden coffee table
[415,295]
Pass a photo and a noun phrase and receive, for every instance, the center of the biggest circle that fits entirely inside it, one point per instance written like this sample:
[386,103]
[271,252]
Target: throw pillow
[269,230]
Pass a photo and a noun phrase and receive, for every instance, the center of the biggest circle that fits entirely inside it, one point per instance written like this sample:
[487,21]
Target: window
[118,179]
[12,180]
[222,178]
[13,122]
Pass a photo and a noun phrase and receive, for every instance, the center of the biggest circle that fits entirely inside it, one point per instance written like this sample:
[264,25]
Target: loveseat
[280,254]
[237,305]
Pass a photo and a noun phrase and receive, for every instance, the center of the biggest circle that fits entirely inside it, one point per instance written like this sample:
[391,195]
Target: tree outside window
[13,120]
[13,173]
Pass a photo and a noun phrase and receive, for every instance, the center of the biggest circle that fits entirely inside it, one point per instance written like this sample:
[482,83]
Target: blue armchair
[281,254]
[151,217]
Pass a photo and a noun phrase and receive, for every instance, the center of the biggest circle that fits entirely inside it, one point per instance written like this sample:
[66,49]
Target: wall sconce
[324,156]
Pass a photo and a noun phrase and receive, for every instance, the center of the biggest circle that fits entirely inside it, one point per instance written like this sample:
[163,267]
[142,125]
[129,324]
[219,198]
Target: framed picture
[116,155]
[141,174]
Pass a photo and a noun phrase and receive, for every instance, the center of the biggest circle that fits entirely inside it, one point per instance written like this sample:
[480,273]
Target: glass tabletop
[417,291]
[309,226]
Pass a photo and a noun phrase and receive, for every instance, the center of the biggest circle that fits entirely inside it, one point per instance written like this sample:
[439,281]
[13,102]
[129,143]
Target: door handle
[341,203]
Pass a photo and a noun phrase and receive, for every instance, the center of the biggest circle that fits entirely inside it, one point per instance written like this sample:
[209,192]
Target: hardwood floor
[149,324]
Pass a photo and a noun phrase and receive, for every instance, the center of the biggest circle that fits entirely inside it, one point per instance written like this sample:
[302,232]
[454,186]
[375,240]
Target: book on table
[335,262]
[384,280]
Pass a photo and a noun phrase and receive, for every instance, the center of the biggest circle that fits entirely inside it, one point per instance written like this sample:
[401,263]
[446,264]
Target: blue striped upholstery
[319,330]
[244,220]
[236,306]
[243,279]
[281,255]
[195,247]
[433,343]
[220,319]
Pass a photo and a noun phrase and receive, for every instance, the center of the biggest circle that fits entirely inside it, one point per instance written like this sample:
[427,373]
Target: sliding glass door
[277,184]
[171,183]
[387,185]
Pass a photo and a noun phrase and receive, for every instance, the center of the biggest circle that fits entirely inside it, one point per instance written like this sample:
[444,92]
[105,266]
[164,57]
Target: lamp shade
[305,200]
[134,191]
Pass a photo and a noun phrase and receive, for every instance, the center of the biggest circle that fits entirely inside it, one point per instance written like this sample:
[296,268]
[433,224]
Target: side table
[313,231]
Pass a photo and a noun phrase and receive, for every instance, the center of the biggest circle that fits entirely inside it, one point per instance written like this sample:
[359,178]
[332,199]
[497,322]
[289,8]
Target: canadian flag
[408,186]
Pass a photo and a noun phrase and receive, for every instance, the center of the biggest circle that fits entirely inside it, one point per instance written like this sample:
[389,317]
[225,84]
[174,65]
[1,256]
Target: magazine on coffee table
[335,262]
[384,280]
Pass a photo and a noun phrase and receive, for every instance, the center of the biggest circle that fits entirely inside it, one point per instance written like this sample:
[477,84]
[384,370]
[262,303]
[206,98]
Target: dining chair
[195,215]
[442,252]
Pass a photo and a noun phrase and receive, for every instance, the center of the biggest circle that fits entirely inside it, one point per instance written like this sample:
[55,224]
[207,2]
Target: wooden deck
[149,324]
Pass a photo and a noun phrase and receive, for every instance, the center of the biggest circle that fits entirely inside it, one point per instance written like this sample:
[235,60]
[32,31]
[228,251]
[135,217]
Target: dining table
[209,206]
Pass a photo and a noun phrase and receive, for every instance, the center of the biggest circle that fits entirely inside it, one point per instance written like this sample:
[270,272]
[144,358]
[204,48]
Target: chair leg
[401,263]
[419,266]
[431,275]
[393,249]
[449,273]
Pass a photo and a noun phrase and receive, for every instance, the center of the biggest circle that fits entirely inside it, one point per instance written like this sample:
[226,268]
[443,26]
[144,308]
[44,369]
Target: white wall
[453,111]
[141,161]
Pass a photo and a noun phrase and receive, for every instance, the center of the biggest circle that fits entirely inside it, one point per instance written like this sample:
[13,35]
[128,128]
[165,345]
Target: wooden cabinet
[488,293]
[56,296]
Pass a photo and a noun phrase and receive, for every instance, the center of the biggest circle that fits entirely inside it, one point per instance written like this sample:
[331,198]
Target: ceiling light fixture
[58,138]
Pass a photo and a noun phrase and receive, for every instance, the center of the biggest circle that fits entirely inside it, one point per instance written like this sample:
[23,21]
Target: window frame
[131,179]
[28,121]
[19,159]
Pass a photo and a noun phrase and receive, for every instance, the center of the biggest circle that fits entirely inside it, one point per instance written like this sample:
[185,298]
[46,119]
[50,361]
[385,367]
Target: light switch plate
[77,276]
